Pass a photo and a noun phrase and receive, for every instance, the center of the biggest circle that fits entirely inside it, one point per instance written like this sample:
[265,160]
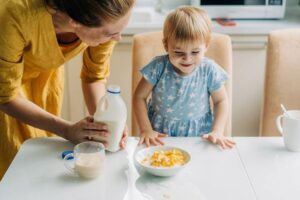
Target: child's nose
[186,57]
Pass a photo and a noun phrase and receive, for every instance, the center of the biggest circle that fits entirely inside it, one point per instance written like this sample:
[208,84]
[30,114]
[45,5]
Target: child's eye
[178,53]
[195,52]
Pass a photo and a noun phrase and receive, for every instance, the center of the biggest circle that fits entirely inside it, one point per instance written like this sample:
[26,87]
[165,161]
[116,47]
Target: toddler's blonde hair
[187,24]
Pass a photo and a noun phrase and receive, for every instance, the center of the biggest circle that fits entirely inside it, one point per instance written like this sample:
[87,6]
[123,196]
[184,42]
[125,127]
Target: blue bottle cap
[114,89]
[64,153]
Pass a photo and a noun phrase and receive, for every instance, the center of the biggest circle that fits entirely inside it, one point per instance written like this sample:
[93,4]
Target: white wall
[152,2]
[288,2]
[145,2]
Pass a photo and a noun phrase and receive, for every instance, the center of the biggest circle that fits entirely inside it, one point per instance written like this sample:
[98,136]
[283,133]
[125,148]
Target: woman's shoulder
[25,17]
[22,11]
[22,6]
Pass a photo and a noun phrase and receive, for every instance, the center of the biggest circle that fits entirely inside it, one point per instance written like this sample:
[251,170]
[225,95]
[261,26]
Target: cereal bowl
[162,160]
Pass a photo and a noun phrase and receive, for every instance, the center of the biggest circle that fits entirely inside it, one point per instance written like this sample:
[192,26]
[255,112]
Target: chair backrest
[281,78]
[148,45]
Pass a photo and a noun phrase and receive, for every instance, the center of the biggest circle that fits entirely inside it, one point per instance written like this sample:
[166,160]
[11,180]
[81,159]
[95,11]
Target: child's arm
[216,136]
[147,135]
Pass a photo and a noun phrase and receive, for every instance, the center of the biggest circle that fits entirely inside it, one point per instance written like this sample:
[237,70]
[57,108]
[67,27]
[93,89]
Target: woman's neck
[65,34]
[61,22]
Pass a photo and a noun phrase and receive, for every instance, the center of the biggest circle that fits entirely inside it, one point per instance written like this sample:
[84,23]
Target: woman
[37,37]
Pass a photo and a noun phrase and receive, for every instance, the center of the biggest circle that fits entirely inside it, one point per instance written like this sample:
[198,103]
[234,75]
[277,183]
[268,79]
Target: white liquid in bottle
[112,111]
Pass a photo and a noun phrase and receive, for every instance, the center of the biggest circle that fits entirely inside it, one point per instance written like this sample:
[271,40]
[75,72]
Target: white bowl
[160,171]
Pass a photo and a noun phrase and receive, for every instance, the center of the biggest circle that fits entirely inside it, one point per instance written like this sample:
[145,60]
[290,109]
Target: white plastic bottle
[112,111]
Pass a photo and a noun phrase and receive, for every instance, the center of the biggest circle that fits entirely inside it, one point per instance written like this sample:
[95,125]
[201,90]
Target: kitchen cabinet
[249,53]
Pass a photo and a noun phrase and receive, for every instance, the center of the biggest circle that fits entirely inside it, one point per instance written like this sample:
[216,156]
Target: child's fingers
[205,136]
[123,144]
[213,139]
[147,142]
[231,141]
[210,138]
[160,141]
[162,135]
[229,144]
[221,143]
[142,139]
[153,141]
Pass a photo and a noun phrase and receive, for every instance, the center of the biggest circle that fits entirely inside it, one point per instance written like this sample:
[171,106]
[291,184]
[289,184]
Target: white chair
[281,78]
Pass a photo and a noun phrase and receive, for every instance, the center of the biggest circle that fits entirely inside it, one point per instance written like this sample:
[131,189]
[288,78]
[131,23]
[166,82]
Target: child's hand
[216,138]
[151,137]
[124,138]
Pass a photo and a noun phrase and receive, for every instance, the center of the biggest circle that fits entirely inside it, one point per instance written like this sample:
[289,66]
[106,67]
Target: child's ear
[206,47]
[165,45]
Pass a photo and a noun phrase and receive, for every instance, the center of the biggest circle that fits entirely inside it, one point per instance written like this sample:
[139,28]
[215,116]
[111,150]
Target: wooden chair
[281,78]
[148,45]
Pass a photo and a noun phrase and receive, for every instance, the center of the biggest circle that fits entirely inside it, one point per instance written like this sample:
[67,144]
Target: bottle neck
[113,93]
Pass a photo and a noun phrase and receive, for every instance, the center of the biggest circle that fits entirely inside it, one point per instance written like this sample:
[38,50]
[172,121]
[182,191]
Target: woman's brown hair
[92,13]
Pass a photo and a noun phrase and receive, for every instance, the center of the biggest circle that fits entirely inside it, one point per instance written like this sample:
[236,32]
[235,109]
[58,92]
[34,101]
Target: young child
[182,83]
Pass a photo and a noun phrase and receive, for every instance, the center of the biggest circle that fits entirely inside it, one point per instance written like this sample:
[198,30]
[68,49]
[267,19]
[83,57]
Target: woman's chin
[92,44]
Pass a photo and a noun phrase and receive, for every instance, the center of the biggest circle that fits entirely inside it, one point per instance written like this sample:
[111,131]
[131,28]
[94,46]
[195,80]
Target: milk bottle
[112,111]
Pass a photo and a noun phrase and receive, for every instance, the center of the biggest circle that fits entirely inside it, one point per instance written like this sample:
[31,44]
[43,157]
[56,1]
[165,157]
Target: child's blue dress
[180,105]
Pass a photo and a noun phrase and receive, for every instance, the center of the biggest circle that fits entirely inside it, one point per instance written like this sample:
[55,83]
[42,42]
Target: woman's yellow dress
[31,65]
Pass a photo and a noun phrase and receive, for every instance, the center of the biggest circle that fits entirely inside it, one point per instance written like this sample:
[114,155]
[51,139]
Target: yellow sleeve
[12,43]
[96,62]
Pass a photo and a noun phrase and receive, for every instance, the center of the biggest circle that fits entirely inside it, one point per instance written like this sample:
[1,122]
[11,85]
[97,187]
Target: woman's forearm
[92,93]
[35,116]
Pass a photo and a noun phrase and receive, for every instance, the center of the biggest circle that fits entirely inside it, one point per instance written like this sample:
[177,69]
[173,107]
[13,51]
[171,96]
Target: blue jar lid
[64,153]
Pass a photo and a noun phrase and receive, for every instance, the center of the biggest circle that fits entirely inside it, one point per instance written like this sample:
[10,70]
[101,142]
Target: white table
[274,172]
[258,168]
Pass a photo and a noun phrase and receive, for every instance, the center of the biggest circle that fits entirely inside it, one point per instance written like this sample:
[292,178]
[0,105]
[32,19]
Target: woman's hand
[151,137]
[85,130]
[218,139]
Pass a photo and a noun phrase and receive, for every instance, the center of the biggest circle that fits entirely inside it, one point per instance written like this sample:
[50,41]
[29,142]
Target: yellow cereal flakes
[168,158]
